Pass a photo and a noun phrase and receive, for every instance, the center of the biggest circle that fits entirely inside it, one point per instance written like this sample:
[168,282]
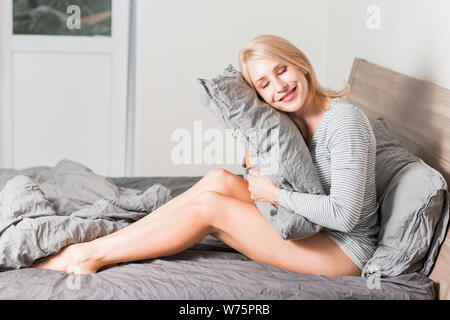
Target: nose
[280,86]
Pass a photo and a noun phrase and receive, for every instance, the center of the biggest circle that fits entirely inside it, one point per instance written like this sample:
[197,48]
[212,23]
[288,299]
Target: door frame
[113,45]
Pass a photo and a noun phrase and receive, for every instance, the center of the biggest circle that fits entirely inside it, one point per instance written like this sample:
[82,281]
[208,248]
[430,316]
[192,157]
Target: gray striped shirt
[343,149]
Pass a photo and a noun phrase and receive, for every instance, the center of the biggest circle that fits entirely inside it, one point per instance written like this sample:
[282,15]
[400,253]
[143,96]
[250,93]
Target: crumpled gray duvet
[208,270]
[46,209]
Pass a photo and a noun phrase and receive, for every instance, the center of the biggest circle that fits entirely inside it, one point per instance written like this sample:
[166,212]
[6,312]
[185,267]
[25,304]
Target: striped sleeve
[348,145]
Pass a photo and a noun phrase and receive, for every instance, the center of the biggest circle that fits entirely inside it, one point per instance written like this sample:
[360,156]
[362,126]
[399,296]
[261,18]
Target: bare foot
[75,258]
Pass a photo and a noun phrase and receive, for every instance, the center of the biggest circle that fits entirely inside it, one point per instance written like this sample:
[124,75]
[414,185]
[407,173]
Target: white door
[64,96]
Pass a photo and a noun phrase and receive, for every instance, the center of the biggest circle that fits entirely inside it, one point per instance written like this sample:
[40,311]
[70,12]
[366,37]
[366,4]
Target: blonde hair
[282,51]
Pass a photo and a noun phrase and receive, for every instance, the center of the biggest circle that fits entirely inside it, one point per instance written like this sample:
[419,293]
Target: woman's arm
[348,145]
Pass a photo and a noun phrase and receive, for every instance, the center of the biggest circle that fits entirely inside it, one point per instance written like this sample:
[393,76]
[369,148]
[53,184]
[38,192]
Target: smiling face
[283,87]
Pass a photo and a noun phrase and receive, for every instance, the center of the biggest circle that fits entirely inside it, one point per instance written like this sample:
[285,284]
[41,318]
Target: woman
[222,204]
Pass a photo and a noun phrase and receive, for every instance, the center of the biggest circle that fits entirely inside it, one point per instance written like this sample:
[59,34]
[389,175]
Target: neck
[308,117]
[310,111]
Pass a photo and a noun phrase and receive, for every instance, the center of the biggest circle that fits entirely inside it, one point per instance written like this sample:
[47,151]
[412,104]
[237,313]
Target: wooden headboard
[418,115]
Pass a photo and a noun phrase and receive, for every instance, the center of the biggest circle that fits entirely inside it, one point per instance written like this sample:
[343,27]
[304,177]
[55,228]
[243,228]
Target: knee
[221,180]
[219,174]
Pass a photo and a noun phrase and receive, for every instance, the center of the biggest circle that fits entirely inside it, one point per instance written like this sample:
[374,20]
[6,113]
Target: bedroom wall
[198,38]
[408,36]
[2,161]
[178,41]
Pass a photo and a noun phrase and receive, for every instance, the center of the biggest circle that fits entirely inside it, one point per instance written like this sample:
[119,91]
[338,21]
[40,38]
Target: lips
[288,93]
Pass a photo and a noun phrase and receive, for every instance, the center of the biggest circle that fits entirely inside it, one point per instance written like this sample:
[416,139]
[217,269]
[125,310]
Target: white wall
[62,117]
[413,38]
[199,38]
[183,40]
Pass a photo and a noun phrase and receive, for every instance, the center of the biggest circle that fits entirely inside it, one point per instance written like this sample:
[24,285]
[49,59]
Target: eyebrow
[278,65]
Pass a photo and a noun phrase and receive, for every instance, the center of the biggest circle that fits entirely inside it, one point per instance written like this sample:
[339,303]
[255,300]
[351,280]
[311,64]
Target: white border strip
[6,103]
[139,75]
[131,104]
[118,129]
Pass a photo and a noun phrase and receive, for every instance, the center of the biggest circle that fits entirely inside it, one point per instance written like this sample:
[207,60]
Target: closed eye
[282,71]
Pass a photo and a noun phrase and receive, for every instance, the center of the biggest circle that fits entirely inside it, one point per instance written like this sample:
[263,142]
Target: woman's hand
[261,188]
[246,161]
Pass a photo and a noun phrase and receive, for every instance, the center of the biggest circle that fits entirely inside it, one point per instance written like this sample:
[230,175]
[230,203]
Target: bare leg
[236,223]
[168,235]
[218,180]
[242,226]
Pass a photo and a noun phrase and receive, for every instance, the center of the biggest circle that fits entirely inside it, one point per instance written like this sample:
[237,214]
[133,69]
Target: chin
[291,108]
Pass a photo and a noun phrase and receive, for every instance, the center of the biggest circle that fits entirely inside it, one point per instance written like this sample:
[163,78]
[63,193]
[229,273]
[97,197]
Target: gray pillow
[414,209]
[273,141]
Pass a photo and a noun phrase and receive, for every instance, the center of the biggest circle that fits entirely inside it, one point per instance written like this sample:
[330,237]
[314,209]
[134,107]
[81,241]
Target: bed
[212,270]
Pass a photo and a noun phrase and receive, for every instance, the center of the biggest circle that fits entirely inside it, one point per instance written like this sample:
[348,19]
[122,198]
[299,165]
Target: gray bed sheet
[208,270]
